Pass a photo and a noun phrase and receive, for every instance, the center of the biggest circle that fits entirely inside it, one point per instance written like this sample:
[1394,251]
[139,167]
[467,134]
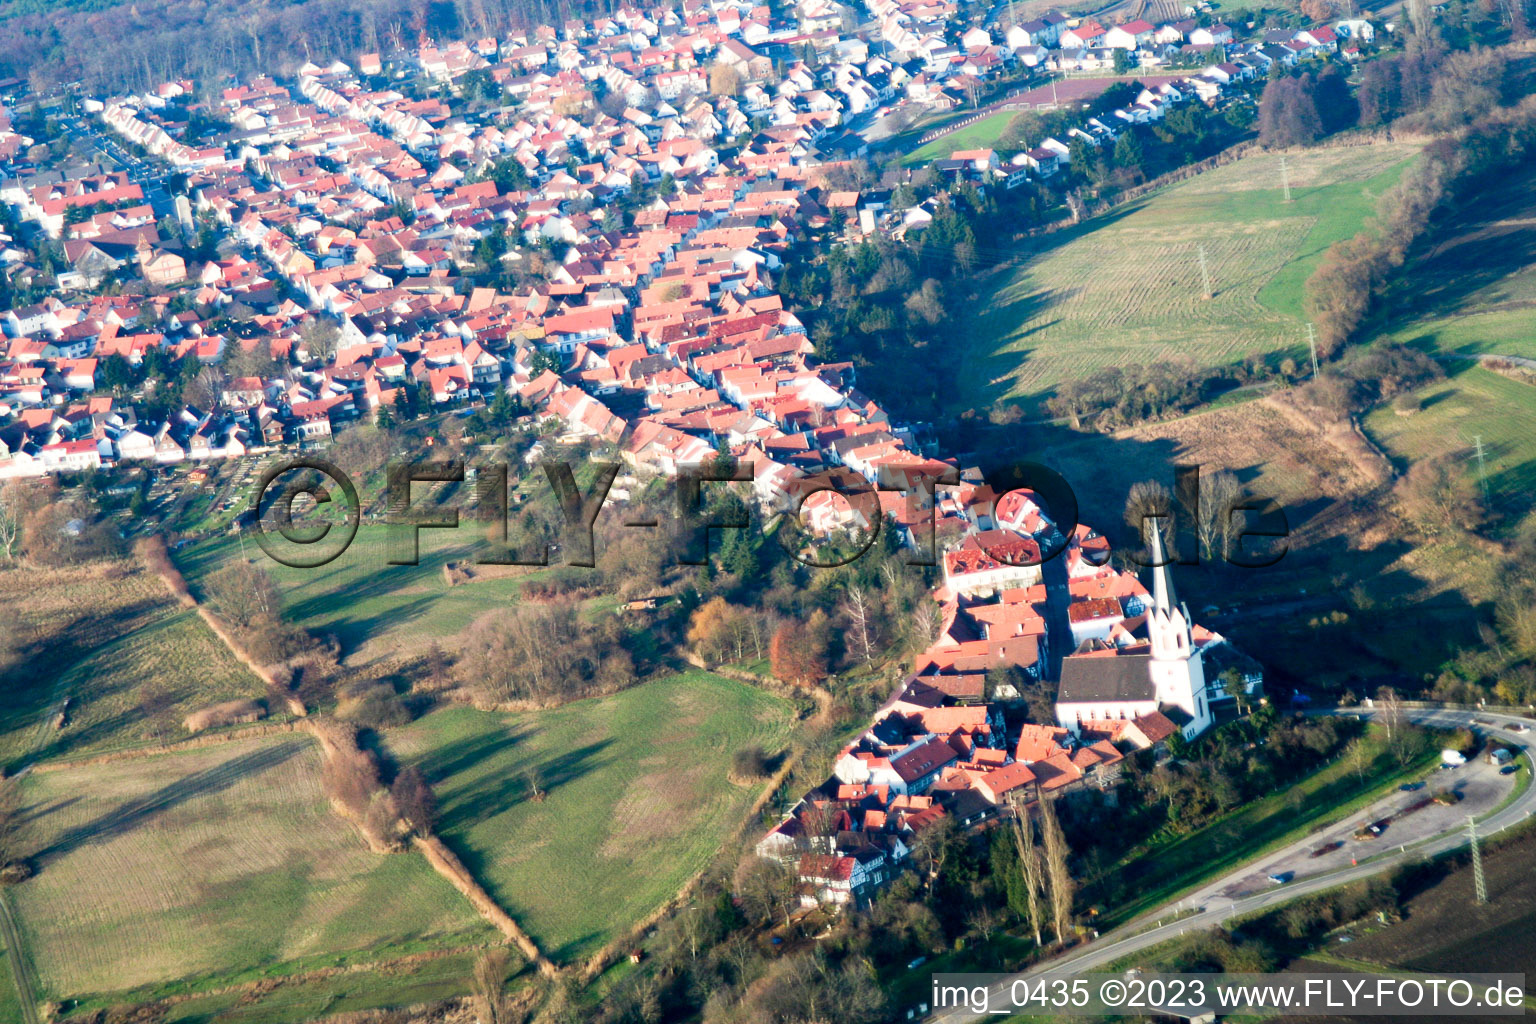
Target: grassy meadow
[1470,290]
[1498,331]
[194,864]
[373,608]
[105,636]
[1471,402]
[10,1002]
[638,798]
[1126,288]
[408,983]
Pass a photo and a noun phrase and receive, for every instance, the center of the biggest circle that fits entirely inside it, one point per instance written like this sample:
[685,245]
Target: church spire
[1167,625]
[1162,583]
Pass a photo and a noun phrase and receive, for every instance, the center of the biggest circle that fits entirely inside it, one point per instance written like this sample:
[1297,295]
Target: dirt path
[21,967]
[450,867]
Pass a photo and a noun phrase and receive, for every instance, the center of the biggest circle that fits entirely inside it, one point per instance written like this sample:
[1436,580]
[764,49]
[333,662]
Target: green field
[1470,403]
[210,862]
[1126,288]
[1505,332]
[373,608]
[981,135]
[638,798]
[10,1003]
[408,984]
[105,636]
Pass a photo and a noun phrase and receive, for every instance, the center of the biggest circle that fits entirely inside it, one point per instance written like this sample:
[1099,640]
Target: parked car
[1410,787]
[1509,769]
[1281,877]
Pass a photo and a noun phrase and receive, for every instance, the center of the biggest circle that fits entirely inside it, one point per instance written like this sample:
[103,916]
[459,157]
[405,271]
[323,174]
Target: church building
[1108,681]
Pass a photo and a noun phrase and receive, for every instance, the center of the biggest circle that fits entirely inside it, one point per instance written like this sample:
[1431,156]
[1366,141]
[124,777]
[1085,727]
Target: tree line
[1480,141]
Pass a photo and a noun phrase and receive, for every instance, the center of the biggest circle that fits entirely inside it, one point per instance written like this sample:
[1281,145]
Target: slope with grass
[1469,287]
[108,638]
[213,861]
[373,608]
[637,798]
[1471,403]
[1127,288]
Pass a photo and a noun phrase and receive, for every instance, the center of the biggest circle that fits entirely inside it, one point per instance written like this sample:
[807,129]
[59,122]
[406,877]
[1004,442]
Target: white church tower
[1178,677]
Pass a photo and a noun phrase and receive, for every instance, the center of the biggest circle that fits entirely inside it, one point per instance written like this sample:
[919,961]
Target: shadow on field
[43,658]
[136,812]
[444,764]
[353,633]
[1492,242]
[997,319]
[502,790]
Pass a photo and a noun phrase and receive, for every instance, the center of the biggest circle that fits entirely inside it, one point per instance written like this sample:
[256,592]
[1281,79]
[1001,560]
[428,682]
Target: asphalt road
[1212,909]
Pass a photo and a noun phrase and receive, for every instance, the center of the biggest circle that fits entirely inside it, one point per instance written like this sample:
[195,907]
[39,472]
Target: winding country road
[1211,908]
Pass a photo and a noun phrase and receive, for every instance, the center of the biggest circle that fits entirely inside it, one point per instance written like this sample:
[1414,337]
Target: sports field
[1127,288]
[172,867]
[637,801]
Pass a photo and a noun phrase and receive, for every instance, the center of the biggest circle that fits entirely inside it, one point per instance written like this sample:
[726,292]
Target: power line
[1482,465]
[1285,178]
[1312,344]
[1480,884]
[1205,272]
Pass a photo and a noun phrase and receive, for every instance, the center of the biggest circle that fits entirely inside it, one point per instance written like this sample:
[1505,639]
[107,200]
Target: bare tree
[1357,761]
[766,888]
[818,823]
[1150,503]
[1391,711]
[415,799]
[857,607]
[693,925]
[10,520]
[984,920]
[1235,686]
[1439,496]
[320,337]
[933,846]
[1396,723]
[206,388]
[1214,526]
[1062,888]
[244,595]
[756,634]
[490,987]
[1029,866]
[535,784]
